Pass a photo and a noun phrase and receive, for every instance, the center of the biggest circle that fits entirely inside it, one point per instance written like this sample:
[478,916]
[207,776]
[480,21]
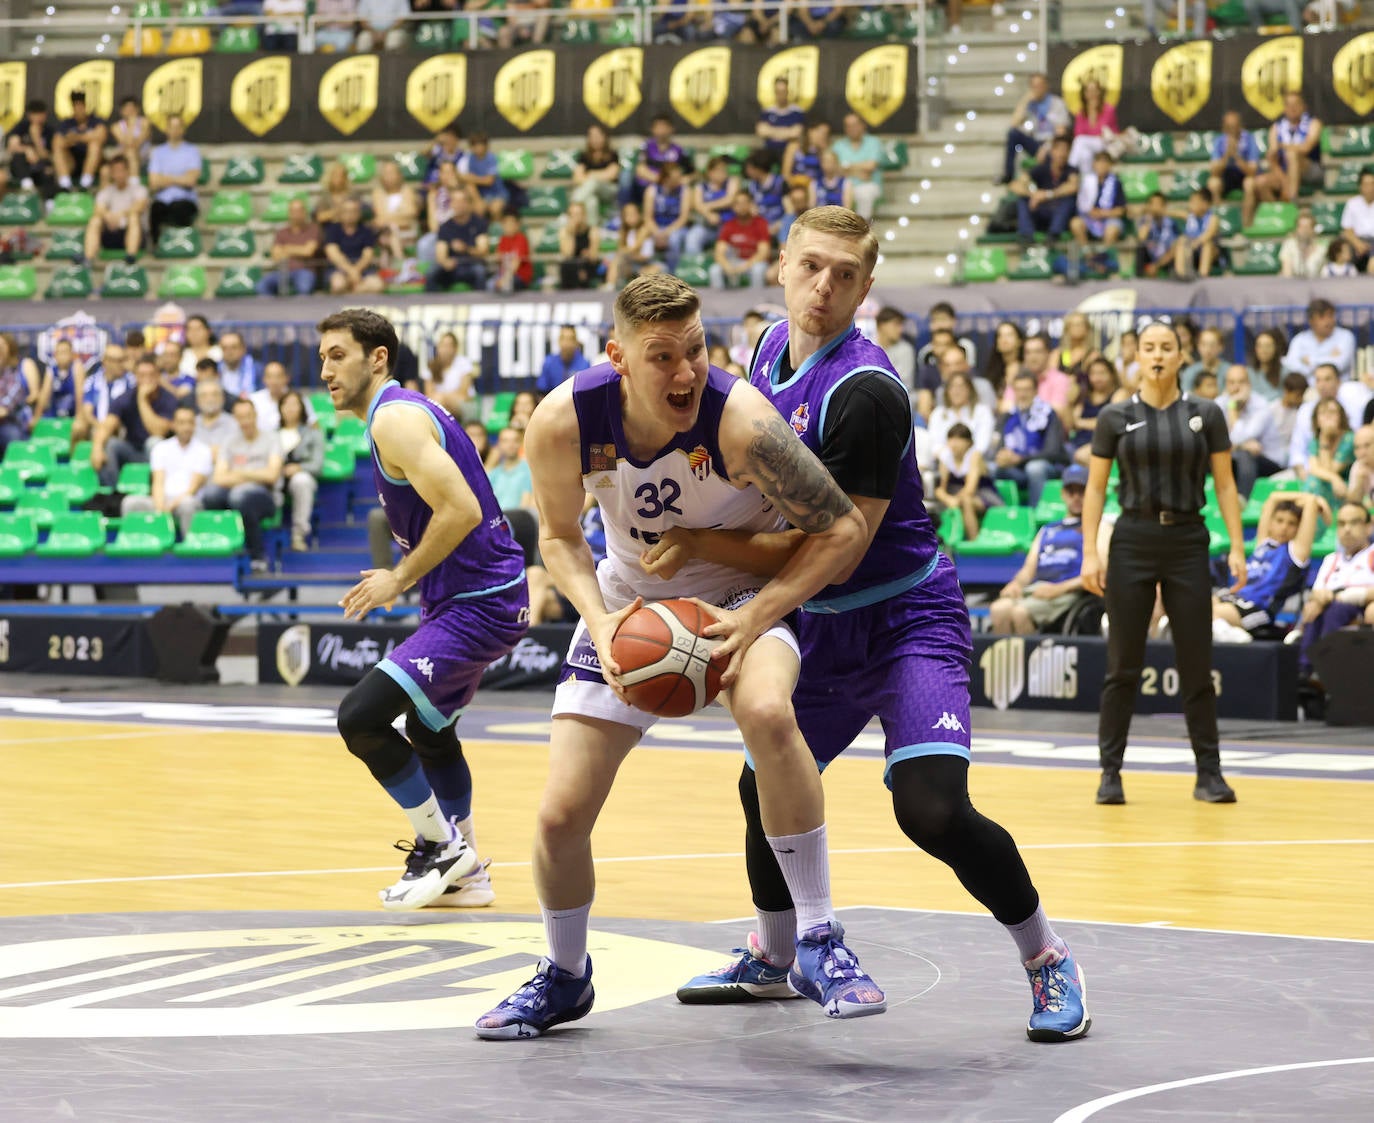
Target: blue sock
[451,781]
[410,788]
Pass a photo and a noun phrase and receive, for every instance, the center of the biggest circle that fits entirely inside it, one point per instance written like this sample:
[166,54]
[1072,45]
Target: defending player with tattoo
[788,473]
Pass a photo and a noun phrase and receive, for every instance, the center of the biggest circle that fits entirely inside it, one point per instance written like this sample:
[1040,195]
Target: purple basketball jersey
[488,559]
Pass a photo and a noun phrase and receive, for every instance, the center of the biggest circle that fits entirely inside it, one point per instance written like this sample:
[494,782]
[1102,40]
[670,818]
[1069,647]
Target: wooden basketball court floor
[151,838]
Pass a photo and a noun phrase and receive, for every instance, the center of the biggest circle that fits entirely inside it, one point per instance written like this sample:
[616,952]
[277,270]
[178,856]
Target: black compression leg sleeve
[765,875]
[446,769]
[365,718]
[931,801]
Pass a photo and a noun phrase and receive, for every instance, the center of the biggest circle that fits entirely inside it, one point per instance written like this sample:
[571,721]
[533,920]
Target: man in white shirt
[213,425]
[1327,383]
[1256,447]
[181,465]
[1356,396]
[382,23]
[1357,221]
[1343,592]
[117,223]
[267,401]
[1322,342]
[238,370]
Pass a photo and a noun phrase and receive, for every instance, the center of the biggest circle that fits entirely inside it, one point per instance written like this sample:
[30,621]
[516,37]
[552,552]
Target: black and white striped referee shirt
[1163,453]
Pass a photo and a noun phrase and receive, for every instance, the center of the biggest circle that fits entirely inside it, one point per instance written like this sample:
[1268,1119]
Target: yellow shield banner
[260,94]
[1102,63]
[612,85]
[699,85]
[800,66]
[524,90]
[1271,70]
[174,89]
[13,87]
[348,93]
[437,90]
[94,79]
[1181,80]
[1352,74]
[875,86]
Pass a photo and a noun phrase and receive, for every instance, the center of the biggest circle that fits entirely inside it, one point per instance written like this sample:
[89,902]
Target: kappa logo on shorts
[950,722]
[425,667]
[801,418]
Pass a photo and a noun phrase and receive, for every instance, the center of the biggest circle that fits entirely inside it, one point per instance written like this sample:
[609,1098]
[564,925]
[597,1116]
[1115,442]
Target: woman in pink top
[1094,126]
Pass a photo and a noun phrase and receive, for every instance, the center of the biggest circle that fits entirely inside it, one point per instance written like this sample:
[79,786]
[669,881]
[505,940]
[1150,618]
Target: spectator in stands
[138,417]
[462,249]
[685,23]
[302,451]
[1360,489]
[1052,384]
[334,29]
[1327,383]
[514,265]
[1257,448]
[106,381]
[782,122]
[181,465]
[1357,396]
[438,210]
[959,405]
[951,360]
[1076,346]
[238,370]
[963,482]
[1266,364]
[522,409]
[1276,569]
[510,474]
[579,250]
[659,150]
[1323,342]
[1049,585]
[117,223]
[61,383]
[1210,346]
[667,204]
[563,363]
[169,354]
[1340,260]
[296,249]
[1207,385]
[861,157]
[1156,234]
[276,384]
[596,175]
[1261,11]
[480,172]
[801,162]
[1046,195]
[1295,155]
[1302,254]
[1127,361]
[248,471]
[201,343]
[213,425]
[173,172]
[766,187]
[1235,164]
[336,190]
[1032,449]
[633,249]
[15,391]
[1101,213]
[1197,250]
[1004,364]
[132,135]
[813,21]
[1039,116]
[830,188]
[78,145]
[762,25]
[350,248]
[1343,591]
[1330,452]
[1285,410]
[929,376]
[1094,126]
[396,217]
[30,148]
[889,334]
[449,376]
[528,22]
[1103,388]
[382,24]
[712,197]
[283,18]
[446,149]
[744,247]
[1357,220]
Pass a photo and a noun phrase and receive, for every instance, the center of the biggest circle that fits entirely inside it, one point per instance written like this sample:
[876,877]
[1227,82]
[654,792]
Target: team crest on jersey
[699,460]
[801,418]
[601,458]
[1195,424]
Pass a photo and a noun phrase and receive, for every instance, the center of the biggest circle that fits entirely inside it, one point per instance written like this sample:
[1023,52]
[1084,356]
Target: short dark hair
[146,357]
[1201,192]
[959,429]
[1320,307]
[207,364]
[129,99]
[657,117]
[183,407]
[118,158]
[1023,375]
[368,328]
[243,402]
[134,338]
[78,95]
[1288,507]
[1158,195]
[887,314]
[479,137]
[944,307]
[1204,375]
[1364,511]
[36,105]
[1294,383]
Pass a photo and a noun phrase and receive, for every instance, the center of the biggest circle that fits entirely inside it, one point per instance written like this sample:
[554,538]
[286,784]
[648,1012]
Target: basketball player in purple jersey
[892,641]
[474,608]
[663,439]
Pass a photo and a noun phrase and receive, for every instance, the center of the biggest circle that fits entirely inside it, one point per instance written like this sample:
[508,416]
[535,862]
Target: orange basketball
[665,661]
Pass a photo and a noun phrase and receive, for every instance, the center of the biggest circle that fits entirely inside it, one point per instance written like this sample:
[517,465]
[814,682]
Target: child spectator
[668,208]
[830,188]
[634,249]
[658,151]
[63,383]
[515,269]
[132,134]
[712,199]
[963,479]
[765,187]
[1340,260]
[1196,251]
[480,172]
[1155,235]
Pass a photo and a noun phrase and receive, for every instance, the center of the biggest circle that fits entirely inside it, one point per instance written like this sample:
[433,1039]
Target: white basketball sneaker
[471,892]
[431,867]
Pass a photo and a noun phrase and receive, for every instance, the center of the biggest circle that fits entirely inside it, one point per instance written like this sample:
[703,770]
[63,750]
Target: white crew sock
[466,829]
[1034,937]
[777,936]
[566,930]
[805,865]
[429,822]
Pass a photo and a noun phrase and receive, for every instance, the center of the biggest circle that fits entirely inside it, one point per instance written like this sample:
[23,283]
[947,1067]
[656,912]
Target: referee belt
[1166,518]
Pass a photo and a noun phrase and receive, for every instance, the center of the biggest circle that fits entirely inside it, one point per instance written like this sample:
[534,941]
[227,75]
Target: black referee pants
[1143,554]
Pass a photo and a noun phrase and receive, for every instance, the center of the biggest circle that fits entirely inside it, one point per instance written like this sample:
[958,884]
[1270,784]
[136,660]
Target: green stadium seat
[18,534]
[870,23]
[182,282]
[78,482]
[497,410]
[695,269]
[55,432]
[178,242]
[577,32]
[65,245]
[361,166]
[1325,544]
[1217,538]
[1347,181]
[1196,148]
[279,204]
[43,505]
[78,534]
[432,35]
[302,168]
[18,282]
[412,165]
[951,528]
[1051,507]
[237,39]
[71,208]
[1264,487]
[460,32]
[1327,217]
[339,463]
[70,282]
[546,202]
[196,9]
[320,401]
[895,156]
[1139,183]
[1155,148]
[1185,183]
[560,163]
[1004,531]
[213,534]
[1348,140]
[125,281]
[1009,491]
[238,280]
[351,433]
[135,479]
[548,239]
[34,463]
[242,171]
[1273,220]
[985,263]
[233,241]
[1261,260]
[143,534]
[608,243]
[23,208]
[230,208]
[515,163]
[1228,220]
[81,452]
[1035,265]
[11,486]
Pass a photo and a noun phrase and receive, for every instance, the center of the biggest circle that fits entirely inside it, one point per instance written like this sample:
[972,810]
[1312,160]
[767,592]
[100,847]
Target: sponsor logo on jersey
[801,418]
[699,460]
[605,482]
[601,458]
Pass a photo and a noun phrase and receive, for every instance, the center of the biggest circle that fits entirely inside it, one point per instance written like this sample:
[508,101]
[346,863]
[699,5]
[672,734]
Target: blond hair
[842,223]
[654,298]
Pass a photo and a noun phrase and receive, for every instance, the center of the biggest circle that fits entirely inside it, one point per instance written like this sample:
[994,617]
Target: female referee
[1163,440]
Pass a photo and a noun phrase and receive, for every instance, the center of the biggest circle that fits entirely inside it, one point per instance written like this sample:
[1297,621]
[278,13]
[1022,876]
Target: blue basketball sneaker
[749,978]
[552,997]
[1059,999]
[827,972]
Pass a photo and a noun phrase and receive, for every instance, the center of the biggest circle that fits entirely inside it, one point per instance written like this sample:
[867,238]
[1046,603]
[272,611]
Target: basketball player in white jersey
[663,439]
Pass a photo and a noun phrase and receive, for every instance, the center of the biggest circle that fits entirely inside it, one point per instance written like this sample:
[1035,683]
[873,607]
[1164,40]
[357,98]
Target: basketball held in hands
[665,661]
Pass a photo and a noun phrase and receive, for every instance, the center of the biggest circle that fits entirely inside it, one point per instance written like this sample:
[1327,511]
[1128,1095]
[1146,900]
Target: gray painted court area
[266,1011]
